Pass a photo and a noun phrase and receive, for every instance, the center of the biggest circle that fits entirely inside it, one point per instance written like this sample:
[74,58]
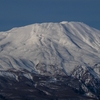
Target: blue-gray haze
[16,13]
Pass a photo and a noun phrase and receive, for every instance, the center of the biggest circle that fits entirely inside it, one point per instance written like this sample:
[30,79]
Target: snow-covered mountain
[66,44]
[49,49]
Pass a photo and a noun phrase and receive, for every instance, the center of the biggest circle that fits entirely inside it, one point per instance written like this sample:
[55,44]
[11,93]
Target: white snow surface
[64,44]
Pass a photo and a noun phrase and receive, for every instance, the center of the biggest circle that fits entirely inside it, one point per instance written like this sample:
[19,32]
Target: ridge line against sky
[16,13]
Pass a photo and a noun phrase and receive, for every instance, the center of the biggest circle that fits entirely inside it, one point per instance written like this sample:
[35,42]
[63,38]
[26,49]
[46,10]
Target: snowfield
[65,44]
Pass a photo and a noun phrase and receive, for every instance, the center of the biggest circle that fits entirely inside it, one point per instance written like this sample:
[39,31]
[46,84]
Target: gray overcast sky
[16,13]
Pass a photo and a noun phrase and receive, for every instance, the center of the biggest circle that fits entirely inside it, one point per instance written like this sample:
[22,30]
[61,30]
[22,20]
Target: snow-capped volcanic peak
[65,44]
